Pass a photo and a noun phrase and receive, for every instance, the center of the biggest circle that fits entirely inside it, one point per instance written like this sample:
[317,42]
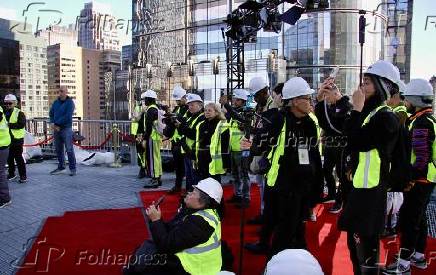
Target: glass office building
[172,35]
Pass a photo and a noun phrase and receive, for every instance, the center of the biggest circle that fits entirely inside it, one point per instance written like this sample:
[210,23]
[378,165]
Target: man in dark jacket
[17,124]
[61,115]
[372,129]
[331,110]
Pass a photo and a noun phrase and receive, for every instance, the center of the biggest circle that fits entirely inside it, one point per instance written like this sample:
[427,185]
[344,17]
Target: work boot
[152,184]
[141,173]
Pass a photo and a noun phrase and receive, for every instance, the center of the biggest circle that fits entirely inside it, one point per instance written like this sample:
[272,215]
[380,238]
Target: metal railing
[90,135]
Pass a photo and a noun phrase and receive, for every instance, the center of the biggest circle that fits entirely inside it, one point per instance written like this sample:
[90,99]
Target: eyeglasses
[304,98]
[9,103]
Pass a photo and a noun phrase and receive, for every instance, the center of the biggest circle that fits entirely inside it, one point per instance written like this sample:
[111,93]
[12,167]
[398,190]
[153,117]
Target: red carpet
[86,242]
[100,241]
[325,242]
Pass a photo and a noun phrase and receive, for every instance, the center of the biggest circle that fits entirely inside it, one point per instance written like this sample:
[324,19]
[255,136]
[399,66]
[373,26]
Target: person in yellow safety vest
[413,220]
[372,130]
[293,157]
[187,129]
[140,153]
[179,112]
[134,125]
[190,243]
[151,139]
[17,124]
[211,141]
[5,141]
[395,199]
[241,180]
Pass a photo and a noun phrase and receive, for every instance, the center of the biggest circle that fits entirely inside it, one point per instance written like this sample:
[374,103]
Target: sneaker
[256,248]
[23,179]
[396,268]
[73,173]
[336,208]
[12,177]
[312,217]
[57,171]
[4,204]
[418,263]
[234,199]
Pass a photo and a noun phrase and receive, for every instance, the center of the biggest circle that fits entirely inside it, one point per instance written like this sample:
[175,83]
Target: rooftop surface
[100,187]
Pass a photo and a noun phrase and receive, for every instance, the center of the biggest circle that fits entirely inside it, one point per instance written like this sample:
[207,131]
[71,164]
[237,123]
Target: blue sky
[423,40]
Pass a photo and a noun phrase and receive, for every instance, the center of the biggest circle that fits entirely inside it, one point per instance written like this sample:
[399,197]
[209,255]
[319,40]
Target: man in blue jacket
[61,115]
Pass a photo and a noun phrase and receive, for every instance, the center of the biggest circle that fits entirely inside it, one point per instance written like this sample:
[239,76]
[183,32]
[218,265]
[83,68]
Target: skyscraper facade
[97,27]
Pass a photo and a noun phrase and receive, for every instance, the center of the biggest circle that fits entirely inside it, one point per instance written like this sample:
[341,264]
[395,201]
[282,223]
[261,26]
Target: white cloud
[9,14]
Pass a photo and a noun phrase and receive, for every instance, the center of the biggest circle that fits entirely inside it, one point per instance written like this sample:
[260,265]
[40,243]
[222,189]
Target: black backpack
[401,172]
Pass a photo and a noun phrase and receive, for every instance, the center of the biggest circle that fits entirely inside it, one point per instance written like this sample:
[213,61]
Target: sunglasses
[9,103]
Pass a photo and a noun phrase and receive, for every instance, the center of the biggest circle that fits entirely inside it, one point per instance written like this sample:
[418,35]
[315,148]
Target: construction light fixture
[148,67]
[215,65]
[191,67]
[169,69]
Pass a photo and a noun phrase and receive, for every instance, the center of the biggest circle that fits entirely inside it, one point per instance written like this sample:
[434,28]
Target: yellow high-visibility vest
[17,133]
[205,258]
[367,174]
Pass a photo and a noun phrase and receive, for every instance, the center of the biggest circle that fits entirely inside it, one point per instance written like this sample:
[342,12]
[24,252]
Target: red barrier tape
[93,147]
[124,137]
[39,143]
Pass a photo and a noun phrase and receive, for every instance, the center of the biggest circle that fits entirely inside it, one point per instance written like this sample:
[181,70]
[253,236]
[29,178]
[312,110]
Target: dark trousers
[332,159]
[413,219]
[179,164]
[191,178]
[16,156]
[284,214]
[364,253]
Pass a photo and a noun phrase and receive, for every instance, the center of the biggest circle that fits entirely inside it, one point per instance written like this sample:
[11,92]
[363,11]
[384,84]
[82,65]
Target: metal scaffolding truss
[235,66]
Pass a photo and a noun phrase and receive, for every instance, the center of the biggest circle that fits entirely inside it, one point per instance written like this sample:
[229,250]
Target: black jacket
[190,132]
[421,137]
[183,231]
[150,117]
[300,133]
[170,128]
[364,212]
[206,130]
[337,114]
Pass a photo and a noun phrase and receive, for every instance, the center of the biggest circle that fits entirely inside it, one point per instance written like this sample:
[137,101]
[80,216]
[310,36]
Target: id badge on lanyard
[303,155]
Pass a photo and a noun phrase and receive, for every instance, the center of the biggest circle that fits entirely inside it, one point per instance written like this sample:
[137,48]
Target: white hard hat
[193,97]
[10,97]
[385,69]
[296,87]
[418,87]
[240,94]
[293,262]
[401,86]
[178,93]
[149,94]
[211,187]
[256,84]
